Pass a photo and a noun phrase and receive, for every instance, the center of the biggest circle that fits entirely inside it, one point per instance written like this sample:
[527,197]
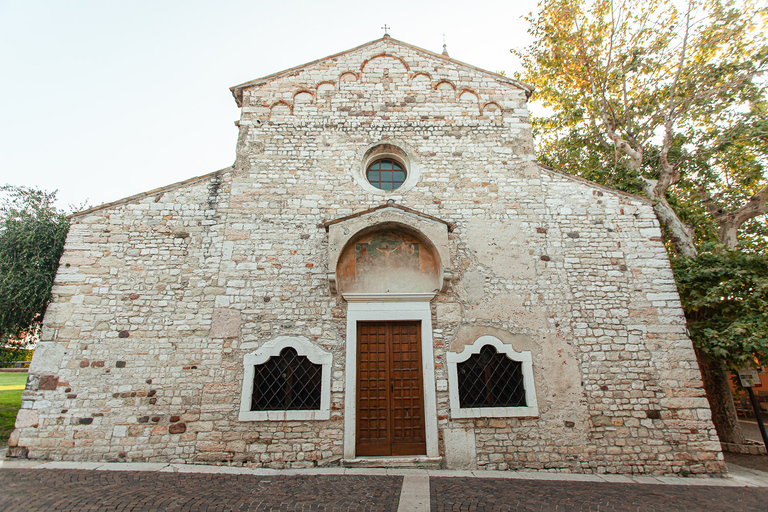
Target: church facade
[385,276]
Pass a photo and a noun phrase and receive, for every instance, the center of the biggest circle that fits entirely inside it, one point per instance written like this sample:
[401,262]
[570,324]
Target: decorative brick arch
[281,102]
[303,91]
[470,91]
[444,81]
[384,54]
[325,82]
[421,73]
[348,73]
[490,104]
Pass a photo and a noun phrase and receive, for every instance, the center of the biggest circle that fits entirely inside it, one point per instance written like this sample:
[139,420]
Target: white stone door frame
[390,307]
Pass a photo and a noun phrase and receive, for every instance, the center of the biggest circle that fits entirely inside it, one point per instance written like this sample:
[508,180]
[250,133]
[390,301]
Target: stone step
[418,462]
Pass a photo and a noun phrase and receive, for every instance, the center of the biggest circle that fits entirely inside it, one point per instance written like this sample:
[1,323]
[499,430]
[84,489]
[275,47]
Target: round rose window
[385,174]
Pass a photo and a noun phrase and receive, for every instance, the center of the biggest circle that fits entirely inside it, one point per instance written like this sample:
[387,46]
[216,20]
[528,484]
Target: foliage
[32,234]
[11,388]
[668,97]
[648,96]
[729,166]
[725,297]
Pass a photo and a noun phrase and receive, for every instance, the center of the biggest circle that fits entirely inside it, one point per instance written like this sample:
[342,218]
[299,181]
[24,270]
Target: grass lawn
[11,386]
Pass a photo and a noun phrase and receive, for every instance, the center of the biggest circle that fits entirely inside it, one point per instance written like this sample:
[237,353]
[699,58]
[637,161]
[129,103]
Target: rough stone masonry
[160,298]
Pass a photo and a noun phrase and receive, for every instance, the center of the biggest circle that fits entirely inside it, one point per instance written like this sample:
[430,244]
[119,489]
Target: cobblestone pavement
[85,490]
[135,488]
[502,495]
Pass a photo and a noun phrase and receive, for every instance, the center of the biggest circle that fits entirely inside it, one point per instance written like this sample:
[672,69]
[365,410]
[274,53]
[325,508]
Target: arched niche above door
[388,260]
[386,251]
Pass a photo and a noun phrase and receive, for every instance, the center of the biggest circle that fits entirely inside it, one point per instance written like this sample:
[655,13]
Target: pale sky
[105,99]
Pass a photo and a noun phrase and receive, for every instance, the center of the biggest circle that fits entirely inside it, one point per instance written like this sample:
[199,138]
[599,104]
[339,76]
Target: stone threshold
[737,477]
[418,462]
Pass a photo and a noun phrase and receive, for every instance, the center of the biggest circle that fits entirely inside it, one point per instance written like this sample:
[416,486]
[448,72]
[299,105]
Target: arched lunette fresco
[392,237]
[388,259]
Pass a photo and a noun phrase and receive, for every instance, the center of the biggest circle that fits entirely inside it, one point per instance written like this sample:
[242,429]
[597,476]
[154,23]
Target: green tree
[668,101]
[32,235]
[725,296]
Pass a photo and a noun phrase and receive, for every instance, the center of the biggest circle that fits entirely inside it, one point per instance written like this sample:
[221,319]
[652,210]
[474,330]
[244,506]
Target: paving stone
[67,490]
[502,495]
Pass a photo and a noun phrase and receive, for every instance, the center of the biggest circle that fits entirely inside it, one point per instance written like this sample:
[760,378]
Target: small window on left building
[287,382]
[288,378]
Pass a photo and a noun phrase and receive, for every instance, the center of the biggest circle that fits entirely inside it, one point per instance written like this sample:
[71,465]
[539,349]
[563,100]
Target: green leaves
[673,96]
[725,297]
[660,91]
[32,235]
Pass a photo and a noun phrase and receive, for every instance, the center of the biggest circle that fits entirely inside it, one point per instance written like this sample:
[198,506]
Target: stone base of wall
[748,449]
[17,452]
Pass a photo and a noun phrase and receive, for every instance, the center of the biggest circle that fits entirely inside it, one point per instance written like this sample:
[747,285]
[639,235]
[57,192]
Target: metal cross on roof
[386,28]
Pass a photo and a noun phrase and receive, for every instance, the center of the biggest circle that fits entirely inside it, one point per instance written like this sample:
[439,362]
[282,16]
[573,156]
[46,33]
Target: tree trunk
[720,399]
[680,234]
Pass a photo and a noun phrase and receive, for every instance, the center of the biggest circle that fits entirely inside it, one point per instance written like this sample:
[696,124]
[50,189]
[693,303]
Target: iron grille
[287,382]
[490,379]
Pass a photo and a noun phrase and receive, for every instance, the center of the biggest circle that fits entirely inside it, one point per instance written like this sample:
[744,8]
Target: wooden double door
[390,394]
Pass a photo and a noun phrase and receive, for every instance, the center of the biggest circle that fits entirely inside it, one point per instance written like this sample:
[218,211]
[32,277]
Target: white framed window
[287,378]
[491,379]
[385,168]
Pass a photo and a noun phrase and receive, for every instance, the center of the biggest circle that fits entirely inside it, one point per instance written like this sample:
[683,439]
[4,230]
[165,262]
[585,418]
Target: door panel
[390,410]
[372,389]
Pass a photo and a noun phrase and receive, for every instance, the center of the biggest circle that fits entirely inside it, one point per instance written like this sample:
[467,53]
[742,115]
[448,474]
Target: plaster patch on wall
[448,312]
[473,283]
[499,245]
[48,356]
[508,308]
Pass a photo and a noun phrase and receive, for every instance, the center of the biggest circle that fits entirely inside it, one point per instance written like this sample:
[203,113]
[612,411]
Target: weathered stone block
[225,323]
[27,418]
[177,428]
[48,382]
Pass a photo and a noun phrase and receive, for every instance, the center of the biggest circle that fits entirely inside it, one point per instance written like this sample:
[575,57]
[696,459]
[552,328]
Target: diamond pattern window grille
[490,379]
[287,382]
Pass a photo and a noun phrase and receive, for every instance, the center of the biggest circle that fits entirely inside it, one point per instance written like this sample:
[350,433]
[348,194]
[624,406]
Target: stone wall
[159,297]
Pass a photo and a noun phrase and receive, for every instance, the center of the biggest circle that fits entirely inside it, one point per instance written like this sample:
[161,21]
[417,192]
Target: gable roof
[154,192]
[593,184]
[237,90]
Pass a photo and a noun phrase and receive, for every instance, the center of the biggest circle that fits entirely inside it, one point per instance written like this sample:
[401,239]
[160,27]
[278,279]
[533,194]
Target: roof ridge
[585,181]
[142,195]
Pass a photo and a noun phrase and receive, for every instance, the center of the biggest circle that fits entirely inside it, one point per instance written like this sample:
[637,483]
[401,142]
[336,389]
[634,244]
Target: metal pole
[757,415]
